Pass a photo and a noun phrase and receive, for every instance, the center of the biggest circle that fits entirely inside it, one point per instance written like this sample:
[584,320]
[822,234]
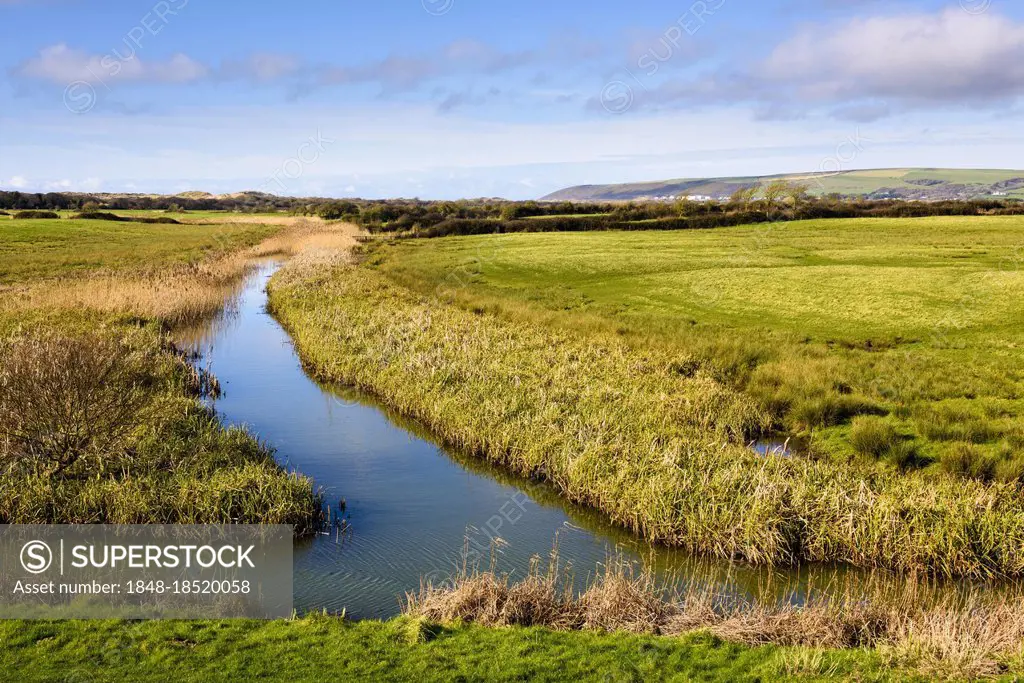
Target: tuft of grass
[946,422]
[877,438]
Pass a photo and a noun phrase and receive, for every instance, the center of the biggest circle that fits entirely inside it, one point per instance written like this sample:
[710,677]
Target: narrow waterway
[413,508]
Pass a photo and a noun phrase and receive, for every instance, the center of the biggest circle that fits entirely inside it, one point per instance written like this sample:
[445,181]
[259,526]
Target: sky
[444,99]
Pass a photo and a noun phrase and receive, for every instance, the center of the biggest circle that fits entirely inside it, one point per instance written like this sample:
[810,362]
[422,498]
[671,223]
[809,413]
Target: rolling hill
[890,183]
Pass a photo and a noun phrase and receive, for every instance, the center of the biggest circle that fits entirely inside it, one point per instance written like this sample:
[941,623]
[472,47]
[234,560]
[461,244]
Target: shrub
[65,399]
[23,215]
[107,216]
[102,429]
[99,216]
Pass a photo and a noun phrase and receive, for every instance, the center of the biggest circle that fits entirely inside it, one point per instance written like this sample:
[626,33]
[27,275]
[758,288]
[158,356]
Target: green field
[32,249]
[840,281]
[919,317]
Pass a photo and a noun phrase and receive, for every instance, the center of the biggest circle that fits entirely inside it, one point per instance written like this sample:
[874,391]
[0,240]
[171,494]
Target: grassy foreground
[592,362]
[323,648]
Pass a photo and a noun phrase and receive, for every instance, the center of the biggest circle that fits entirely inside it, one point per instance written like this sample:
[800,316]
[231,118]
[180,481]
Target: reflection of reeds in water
[179,295]
[923,624]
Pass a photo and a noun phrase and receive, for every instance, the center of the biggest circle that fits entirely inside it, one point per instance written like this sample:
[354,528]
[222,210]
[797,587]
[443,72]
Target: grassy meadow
[37,249]
[632,370]
[912,324]
[101,416]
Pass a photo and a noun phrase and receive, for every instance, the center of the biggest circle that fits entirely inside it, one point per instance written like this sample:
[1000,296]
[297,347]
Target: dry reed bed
[656,447]
[938,633]
[178,295]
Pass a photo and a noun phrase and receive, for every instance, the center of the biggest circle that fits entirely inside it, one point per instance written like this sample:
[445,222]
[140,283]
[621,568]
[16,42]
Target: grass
[318,647]
[37,249]
[554,356]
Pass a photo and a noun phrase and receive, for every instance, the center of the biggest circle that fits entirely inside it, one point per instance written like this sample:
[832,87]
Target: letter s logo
[36,557]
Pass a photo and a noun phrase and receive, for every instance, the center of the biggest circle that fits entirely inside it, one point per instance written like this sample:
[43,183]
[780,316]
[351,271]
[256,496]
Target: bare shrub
[65,399]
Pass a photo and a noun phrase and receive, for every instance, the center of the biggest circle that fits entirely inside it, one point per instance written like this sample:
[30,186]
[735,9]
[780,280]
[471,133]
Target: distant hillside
[889,183]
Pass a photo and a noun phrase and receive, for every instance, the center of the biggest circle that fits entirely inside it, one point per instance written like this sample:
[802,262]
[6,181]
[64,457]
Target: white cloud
[948,56]
[62,65]
[261,66]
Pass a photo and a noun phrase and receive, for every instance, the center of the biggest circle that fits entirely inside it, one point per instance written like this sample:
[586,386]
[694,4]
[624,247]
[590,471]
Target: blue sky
[466,98]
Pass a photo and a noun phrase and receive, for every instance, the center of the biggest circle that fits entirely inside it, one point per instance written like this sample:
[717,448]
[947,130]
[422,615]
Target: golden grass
[915,627]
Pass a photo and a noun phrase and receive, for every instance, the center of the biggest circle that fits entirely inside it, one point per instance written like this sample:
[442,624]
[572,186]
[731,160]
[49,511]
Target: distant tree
[511,212]
[333,211]
[775,191]
[684,206]
[744,196]
[797,192]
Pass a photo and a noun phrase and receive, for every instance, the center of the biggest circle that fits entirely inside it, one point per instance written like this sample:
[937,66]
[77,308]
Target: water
[413,508]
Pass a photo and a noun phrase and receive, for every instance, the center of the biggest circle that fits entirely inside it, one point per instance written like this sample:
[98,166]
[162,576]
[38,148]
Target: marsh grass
[107,427]
[621,429]
[914,624]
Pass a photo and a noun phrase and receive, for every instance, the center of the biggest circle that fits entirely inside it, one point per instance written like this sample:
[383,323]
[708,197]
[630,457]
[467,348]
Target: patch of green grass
[34,249]
[322,648]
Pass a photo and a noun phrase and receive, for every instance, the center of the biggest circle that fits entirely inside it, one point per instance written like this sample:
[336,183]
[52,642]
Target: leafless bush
[66,399]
